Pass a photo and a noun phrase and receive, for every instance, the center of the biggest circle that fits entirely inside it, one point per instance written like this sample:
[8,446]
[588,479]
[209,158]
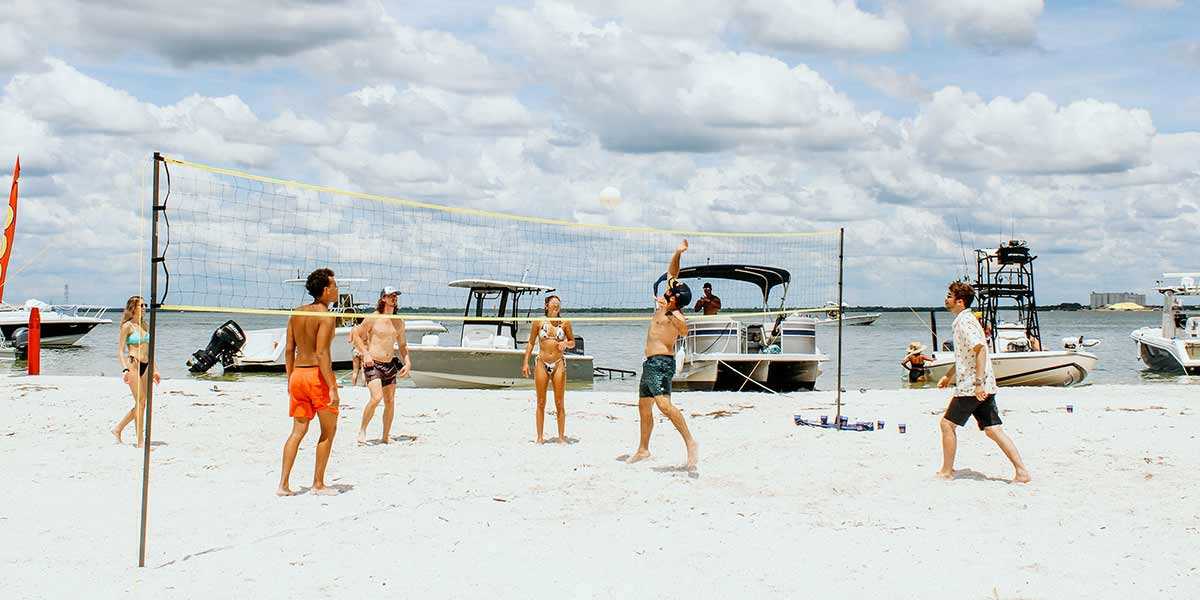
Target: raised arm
[673,268]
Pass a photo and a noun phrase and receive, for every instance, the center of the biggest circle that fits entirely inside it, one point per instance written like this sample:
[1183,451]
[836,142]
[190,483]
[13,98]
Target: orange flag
[10,228]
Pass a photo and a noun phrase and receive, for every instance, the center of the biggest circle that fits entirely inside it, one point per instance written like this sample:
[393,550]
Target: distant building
[1102,299]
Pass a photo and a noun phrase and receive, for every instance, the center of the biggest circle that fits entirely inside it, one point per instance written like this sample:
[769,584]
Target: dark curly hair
[962,290]
[317,282]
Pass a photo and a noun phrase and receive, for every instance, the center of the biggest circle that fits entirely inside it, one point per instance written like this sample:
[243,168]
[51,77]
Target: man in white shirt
[974,386]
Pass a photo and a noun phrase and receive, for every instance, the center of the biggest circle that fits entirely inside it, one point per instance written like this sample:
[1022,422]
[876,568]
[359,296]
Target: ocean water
[871,358]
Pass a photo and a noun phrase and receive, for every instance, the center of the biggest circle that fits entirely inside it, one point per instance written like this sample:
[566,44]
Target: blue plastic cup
[824,419]
[1070,408]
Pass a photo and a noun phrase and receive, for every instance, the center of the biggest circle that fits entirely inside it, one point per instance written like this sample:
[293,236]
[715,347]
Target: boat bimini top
[766,278]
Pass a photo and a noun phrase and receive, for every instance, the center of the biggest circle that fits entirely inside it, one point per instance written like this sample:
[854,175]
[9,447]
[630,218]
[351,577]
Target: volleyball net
[237,242]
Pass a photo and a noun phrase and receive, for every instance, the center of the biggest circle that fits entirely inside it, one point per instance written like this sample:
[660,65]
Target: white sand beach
[465,505]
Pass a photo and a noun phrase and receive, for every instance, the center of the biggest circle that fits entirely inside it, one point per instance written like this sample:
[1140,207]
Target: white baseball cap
[388,291]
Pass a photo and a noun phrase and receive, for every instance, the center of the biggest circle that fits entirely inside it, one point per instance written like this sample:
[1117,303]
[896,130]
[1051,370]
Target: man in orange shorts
[312,388]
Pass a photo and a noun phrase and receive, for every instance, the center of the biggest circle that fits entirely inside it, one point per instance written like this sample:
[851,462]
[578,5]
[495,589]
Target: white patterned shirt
[968,333]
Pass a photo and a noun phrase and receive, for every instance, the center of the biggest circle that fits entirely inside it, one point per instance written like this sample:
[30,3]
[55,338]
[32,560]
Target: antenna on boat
[962,246]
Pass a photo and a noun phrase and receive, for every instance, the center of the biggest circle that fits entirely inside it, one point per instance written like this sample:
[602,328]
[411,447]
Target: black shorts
[384,372]
[962,407]
[916,373]
[657,372]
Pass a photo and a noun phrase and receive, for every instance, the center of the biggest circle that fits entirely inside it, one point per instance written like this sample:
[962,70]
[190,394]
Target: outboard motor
[578,349]
[20,342]
[226,342]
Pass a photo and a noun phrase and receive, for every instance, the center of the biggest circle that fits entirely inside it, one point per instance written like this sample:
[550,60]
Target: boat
[778,353]
[1005,275]
[237,350]
[1173,346]
[62,325]
[487,354]
[832,316]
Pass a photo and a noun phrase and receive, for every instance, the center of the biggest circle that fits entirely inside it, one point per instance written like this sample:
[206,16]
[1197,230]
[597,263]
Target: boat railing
[727,336]
[85,311]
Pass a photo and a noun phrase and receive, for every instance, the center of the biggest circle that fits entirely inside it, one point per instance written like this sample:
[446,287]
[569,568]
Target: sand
[463,504]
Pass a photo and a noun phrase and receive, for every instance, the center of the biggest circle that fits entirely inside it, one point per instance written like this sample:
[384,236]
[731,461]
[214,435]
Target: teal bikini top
[137,338]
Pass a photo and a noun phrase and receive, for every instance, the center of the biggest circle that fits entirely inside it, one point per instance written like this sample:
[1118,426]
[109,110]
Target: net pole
[841,318]
[149,391]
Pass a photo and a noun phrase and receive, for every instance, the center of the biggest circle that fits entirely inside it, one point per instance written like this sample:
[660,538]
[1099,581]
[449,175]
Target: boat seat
[478,336]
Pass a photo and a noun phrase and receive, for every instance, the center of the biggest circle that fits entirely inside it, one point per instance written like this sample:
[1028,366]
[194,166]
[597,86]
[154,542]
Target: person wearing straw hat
[915,361]
[667,324]
[377,338]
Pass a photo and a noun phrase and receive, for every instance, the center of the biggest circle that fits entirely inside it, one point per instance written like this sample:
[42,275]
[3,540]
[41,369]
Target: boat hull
[1045,368]
[1167,355]
[56,334]
[263,350]
[741,372]
[484,368]
[853,320]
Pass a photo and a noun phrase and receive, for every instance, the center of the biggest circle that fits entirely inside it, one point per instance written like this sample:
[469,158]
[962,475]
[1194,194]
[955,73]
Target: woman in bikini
[133,349]
[553,336]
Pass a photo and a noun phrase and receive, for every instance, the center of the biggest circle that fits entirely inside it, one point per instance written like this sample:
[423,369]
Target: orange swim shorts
[308,393]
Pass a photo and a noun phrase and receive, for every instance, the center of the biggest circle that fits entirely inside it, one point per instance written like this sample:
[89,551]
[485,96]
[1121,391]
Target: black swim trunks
[963,407]
[916,373]
[657,372]
[384,372]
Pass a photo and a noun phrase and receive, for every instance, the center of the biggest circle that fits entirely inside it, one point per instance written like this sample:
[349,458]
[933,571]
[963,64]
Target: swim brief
[384,372]
[916,373]
[308,393]
[657,372]
[963,407]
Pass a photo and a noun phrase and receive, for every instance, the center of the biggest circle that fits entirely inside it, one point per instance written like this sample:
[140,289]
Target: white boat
[262,349]
[487,354]
[1017,358]
[832,316]
[1174,346]
[62,325]
[778,353]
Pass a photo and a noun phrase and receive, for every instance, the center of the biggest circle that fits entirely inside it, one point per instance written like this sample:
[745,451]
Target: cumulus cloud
[648,94]
[989,25]
[823,25]
[1033,135]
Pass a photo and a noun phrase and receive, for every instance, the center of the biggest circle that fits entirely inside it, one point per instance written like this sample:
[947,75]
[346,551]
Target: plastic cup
[879,425]
[1070,408]
[824,419]
[902,428]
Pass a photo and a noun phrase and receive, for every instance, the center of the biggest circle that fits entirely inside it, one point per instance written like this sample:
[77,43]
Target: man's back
[306,333]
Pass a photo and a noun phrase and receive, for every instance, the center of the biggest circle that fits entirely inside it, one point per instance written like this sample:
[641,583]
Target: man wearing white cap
[377,338]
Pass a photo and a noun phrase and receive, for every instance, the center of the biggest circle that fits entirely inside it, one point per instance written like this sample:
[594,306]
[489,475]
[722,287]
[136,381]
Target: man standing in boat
[708,303]
[974,386]
[312,387]
[667,324]
[376,339]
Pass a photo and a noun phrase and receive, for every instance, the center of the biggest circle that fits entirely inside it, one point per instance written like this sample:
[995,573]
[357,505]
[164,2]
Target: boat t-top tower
[1007,273]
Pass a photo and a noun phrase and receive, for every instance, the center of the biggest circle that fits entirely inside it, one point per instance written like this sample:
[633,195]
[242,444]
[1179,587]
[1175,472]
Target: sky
[925,128]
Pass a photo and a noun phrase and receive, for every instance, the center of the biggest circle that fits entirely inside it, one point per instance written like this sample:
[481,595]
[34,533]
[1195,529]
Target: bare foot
[947,475]
[1022,476]
[362,436]
[283,491]
[117,434]
[638,456]
[324,491]
[540,441]
[562,439]
[693,455]
[384,440]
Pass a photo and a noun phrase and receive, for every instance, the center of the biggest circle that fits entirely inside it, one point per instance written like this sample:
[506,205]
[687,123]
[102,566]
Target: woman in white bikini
[133,349]
[553,336]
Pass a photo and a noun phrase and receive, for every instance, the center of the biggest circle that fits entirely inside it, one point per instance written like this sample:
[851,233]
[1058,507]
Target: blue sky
[1075,123]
